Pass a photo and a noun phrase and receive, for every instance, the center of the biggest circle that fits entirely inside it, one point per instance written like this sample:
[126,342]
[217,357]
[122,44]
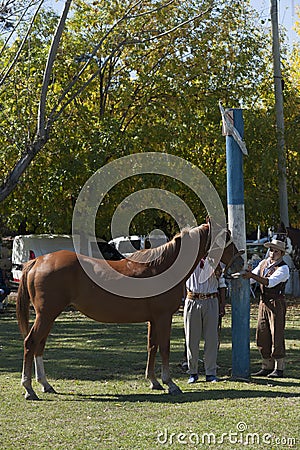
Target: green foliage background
[146,95]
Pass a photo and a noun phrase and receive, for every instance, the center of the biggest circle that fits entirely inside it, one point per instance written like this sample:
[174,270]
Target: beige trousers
[201,319]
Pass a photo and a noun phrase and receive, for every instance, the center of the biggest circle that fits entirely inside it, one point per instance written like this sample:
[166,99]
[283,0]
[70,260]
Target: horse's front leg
[152,350]
[164,334]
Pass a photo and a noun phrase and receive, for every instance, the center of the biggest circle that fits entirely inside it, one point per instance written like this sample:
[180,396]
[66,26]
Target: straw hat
[275,243]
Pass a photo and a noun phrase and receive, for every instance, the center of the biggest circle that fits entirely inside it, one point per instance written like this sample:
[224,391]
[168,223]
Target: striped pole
[240,288]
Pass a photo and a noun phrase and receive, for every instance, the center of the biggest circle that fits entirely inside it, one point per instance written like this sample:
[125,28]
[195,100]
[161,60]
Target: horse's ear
[185,233]
[209,223]
[212,223]
[181,235]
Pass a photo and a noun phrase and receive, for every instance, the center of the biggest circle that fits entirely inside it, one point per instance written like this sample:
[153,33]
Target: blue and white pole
[240,288]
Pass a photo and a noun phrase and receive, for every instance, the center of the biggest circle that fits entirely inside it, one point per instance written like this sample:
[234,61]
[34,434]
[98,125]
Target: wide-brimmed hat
[275,243]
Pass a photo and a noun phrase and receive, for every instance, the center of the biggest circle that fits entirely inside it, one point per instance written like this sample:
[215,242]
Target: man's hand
[262,280]
[247,275]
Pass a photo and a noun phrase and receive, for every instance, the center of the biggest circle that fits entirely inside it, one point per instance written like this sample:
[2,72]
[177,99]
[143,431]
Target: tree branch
[151,11]
[56,111]
[43,126]
[48,70]
[90,58]
[12,179]
[4,77]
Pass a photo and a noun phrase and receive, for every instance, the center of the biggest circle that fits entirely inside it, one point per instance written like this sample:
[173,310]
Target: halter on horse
[54,281]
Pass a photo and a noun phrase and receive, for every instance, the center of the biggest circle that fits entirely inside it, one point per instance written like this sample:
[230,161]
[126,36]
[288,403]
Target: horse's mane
[157,255]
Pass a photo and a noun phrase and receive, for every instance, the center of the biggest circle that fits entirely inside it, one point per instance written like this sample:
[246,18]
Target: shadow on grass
[79,348]
[186,397]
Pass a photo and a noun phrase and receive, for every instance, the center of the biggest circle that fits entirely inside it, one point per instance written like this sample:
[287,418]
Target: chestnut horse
[54,281]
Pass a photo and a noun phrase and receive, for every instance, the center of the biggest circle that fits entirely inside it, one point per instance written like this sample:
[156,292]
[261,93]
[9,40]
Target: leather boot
[262,373]
[267,368]
[278,371]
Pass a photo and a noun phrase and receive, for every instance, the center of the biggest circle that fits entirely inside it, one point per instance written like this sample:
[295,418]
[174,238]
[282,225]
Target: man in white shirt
[201,318]
[272,274]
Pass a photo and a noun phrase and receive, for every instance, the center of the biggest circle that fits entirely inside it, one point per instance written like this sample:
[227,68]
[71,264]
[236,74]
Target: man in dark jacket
[272,274]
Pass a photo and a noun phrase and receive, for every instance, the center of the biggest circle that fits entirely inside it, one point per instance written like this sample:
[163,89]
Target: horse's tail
[23,300]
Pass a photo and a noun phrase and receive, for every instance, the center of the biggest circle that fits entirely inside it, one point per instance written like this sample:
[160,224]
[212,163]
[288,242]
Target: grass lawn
[103,401]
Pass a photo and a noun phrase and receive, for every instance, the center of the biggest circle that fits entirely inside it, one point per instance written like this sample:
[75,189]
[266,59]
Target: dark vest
[276,291]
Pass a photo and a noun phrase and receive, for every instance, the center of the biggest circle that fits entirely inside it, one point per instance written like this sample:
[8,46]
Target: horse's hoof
[175,391]
[157,387]
[49,390]
[31,396]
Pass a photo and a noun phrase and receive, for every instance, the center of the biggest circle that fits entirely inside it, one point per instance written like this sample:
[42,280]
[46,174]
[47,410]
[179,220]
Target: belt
[198,296]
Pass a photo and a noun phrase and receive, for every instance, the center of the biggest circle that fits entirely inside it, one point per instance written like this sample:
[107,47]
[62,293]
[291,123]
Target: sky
[286,13]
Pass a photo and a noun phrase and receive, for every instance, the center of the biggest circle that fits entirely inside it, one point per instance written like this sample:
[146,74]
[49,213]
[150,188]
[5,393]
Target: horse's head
[231,256]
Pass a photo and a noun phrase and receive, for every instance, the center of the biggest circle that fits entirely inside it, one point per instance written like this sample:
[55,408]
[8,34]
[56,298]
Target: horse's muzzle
[235,264]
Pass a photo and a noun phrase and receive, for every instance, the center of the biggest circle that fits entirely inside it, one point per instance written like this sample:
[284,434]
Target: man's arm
[280,275]
[261,280]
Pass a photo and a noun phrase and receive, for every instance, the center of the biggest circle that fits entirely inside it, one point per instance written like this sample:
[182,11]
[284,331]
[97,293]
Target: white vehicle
[126,245]
[27,247]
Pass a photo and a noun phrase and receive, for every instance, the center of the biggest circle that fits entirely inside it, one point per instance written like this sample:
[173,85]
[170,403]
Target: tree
[261,191]
[292,130]
[129,80]
[44,123]
[42,133]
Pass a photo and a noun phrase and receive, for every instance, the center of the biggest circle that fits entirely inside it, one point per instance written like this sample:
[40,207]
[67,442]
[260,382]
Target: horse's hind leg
[33,347]
[27,367]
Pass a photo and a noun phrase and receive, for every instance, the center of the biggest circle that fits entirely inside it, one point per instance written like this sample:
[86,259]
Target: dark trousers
[6,292]
[270,328]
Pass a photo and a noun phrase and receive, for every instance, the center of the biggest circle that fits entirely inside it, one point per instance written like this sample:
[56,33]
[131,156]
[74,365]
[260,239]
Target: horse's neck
[197,236]
[170,254]
[171,250]
[202,240]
